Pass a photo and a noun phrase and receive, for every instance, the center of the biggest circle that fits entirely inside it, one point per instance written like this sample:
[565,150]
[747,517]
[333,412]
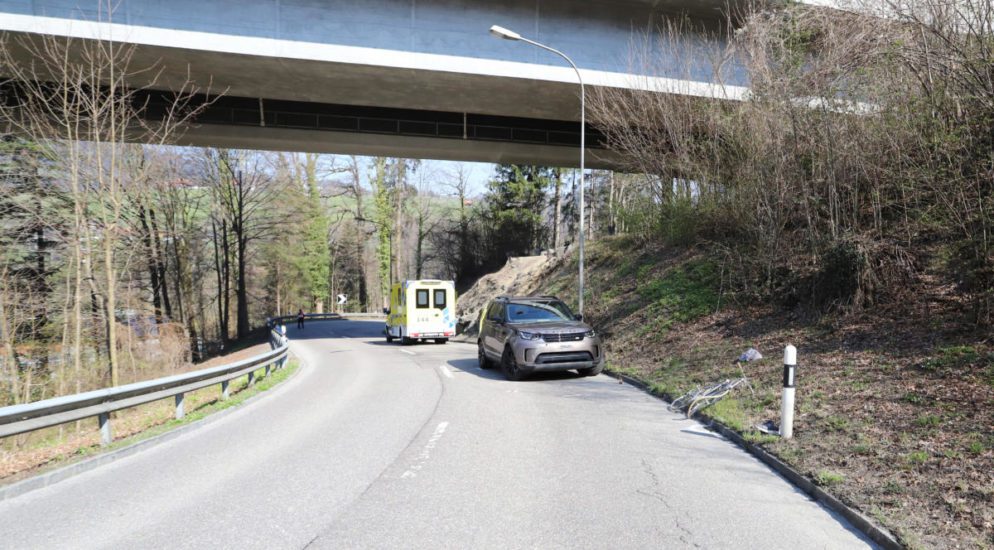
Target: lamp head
[506,34]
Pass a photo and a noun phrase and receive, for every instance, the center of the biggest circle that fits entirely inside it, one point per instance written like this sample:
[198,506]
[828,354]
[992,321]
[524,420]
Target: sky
[477,173]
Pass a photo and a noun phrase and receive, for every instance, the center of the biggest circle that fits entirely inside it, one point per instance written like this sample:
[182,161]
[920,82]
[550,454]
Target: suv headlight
[529,335]
[590,333]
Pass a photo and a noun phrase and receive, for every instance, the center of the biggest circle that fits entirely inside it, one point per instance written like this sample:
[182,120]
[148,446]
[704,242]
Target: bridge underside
[376,131]
[301,96]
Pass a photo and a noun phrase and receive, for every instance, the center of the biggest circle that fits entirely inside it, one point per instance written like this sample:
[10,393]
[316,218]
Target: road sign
[342,298]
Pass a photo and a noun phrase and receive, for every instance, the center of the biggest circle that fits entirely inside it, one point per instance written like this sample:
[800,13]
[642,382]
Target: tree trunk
[241,291]
[241,245]
[395,244]
[612,220]
[160,263]
[153,268]
[557,218]
[9,357]
[279,289]
[593,210]
[221,268]
[418,257]
[111,306]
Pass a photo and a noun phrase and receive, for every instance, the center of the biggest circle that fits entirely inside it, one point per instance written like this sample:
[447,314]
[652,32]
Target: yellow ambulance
[422,310]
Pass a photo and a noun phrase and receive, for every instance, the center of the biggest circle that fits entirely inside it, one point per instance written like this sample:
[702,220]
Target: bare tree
[80,100]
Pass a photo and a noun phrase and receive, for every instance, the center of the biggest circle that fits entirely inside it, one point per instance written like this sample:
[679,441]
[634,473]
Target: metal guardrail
[321,317]
[307,316]
[17,419]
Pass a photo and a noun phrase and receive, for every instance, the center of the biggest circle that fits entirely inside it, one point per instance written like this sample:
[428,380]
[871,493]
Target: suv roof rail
[542,297]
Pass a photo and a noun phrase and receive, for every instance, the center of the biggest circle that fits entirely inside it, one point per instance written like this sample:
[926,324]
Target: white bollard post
[180,410]
[283,341]
[787,399]
[106,436]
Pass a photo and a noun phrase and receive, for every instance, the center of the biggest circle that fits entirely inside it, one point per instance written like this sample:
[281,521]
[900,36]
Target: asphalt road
[381,446]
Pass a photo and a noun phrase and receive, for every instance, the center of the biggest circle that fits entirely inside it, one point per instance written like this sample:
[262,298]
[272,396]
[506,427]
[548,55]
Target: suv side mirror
[579,317]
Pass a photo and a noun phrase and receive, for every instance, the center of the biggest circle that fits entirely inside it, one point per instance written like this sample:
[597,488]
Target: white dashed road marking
[407,352]
[422,458]
[445,370]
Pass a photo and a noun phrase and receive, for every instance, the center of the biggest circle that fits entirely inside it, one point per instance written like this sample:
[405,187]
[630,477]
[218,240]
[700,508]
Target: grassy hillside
[895,409]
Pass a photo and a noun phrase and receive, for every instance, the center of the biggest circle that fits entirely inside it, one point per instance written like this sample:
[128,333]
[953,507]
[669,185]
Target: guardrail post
[787,399]
[224,390]
[251,378]
[179,406]
[106,437]
[267,371]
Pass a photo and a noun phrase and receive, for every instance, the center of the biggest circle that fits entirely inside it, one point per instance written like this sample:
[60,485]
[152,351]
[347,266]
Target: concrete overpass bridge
[412,78]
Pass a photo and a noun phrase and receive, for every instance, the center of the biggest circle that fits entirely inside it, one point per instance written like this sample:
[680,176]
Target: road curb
[46,479]
[864,524]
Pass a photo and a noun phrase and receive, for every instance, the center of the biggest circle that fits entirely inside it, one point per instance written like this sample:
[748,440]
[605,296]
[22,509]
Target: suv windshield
[553,312]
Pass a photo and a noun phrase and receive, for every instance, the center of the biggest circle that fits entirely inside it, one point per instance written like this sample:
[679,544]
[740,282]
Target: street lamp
[506,34]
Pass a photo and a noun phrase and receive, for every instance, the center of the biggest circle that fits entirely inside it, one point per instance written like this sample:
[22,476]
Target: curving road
[373,445]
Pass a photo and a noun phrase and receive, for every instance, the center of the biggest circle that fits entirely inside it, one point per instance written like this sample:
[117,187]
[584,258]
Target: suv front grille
[563,337]
[574,357]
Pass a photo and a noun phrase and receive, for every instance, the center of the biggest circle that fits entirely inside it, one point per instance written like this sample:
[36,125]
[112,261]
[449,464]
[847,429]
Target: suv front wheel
[485,362]
[510,366]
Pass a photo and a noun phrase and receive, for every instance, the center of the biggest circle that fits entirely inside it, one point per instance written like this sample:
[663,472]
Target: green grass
[685,293]
[239,394]
[976,447]
[928,421]
[730,412]
[916,457]
[863,449]
[913,398]
[954,357]
[237,397]
[826,478]
[894,488]
[838,423]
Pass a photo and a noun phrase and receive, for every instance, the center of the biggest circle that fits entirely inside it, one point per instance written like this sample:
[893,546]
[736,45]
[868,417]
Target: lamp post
[501,32]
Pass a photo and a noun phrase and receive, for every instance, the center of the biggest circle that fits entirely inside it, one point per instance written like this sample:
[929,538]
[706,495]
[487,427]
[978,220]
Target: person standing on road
[300,319]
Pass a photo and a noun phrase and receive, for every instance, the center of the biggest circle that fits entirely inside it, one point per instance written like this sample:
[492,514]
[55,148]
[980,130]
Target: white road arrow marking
[426,452]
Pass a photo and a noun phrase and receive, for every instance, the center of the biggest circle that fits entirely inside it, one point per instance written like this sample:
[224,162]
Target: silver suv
[536,334]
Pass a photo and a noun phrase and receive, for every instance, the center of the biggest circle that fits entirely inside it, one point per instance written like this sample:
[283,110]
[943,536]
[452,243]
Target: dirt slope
[519,276]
